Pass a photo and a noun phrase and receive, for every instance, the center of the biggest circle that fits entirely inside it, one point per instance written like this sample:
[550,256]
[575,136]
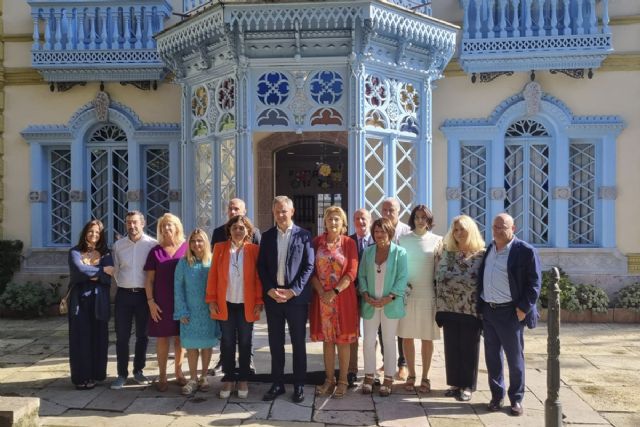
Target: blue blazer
[395,281]
[299,264]
[525,279]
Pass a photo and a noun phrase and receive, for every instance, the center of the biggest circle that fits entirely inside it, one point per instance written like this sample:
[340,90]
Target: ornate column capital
[77,196]
[498,193]
[562,193]
[454,193]
[38,196]
[607,193]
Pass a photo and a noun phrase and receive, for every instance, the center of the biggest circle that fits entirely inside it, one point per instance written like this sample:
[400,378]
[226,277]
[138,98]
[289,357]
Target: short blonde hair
[169,217]
[190,256]
[336,210]
[475,242]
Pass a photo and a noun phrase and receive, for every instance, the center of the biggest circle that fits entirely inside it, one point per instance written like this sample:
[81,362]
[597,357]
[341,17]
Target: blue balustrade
[521,35]
[102,40]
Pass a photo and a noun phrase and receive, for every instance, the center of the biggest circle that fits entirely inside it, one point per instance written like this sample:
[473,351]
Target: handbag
[63,308]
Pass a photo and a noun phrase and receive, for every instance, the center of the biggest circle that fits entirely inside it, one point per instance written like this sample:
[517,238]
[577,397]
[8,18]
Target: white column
[357,137]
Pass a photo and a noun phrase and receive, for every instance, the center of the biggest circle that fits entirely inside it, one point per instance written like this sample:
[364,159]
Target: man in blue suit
[509,284]
[285,265]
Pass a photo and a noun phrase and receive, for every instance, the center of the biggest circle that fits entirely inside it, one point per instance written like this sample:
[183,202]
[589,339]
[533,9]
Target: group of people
[402,280]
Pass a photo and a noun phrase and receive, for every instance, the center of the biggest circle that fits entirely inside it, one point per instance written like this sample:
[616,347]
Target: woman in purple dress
[160,268]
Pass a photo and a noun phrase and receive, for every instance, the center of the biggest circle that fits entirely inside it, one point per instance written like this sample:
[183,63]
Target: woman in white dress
[419,323]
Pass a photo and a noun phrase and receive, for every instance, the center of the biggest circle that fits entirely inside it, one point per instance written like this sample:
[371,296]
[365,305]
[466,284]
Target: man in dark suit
[285,265]
[236,207]
[363,238]
[509,282]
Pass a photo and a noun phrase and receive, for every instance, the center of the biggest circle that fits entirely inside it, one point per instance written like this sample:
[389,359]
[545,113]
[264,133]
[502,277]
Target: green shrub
[10,257]
[568,299]
[591,297]
[629,297]
[27,299]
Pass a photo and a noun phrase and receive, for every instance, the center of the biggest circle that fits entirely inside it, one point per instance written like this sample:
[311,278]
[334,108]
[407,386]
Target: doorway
[314,176]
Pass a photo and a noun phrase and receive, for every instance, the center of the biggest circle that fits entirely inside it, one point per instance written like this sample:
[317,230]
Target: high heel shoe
[243,392]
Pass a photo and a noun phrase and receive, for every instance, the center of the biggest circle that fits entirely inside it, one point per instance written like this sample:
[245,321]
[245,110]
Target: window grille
[157,185]
[582,203]
[60,188]
[473,178]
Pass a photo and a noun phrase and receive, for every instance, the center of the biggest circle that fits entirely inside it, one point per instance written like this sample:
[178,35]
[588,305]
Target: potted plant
[26,300]
[568,300]
[627,308]
[592,299]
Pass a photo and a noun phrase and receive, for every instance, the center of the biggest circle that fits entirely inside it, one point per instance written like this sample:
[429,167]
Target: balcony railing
[423,6]
[97,40]
[522,35]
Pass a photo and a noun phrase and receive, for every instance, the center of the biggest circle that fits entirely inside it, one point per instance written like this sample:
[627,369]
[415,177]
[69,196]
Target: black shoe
[275,391]
[516,409]
[298,394]
[495,405]
[351,379]
[452,392]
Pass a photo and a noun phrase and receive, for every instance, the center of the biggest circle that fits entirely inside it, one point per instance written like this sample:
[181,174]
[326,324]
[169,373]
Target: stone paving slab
[106,419]
[401,415]
[284,410]
[347,418]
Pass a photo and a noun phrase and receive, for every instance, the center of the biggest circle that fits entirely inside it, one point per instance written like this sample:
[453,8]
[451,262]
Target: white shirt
[401,230]
[129,258]
[235,290]
[379,289]
[283,249]
[496,277]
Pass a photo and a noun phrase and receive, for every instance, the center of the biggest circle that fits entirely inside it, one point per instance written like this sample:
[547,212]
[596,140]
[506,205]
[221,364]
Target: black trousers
[88,339]
[461,349]
[295,317]
[235,329]
[130,306]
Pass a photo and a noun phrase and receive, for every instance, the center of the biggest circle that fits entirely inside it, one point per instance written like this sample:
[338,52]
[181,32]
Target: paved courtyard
[600,387]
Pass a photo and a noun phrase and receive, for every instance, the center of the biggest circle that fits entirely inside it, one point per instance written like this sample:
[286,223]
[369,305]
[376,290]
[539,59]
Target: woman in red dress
[332,318]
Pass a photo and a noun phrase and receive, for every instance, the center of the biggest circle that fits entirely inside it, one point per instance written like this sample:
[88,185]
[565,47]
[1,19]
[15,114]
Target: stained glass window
[273,88]
[326,87]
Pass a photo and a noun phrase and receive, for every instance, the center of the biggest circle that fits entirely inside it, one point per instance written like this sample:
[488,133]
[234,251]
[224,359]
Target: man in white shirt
[129,256]
[391,211]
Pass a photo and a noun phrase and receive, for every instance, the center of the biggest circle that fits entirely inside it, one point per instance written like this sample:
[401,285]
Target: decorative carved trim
[101,106]
[454,193]
[77,196]
[562,193]
[621,62]
[489,77]
[633,263]
[497,193]
[64,86]
[532,94]
[22,76]
[37,196]
[175,195]
[607,193]
[134,195]
[576,73]
[142,84]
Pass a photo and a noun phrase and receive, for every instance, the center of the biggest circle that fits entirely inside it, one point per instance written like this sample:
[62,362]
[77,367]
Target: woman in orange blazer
[234,294]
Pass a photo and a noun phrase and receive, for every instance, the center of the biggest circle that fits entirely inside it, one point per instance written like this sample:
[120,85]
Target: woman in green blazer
[382,279]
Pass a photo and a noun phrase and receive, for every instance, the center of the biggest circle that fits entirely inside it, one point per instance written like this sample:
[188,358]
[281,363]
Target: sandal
[410,384]
[189,388]
[203,384]
[341,389]
[367,384]
[385,388]
[162,386]
[327,388]
[425,385]
[181,381]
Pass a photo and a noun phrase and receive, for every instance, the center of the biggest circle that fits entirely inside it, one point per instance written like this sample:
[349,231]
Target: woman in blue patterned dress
[198,331]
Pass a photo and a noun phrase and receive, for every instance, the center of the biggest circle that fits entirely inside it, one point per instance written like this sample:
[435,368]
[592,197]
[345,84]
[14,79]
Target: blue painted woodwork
[60,166]
[524,35]
[577,154]
[97,40]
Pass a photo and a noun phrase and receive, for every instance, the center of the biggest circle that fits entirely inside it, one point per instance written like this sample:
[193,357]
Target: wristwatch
[336,291]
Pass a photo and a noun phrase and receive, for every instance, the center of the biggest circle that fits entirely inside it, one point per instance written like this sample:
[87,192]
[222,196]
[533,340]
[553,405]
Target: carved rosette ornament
[562,193]
[532,97]
[101,105]
[498,193]
[454,193]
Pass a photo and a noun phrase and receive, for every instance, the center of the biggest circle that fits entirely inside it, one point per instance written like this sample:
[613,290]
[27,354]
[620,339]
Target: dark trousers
[88,341]
[461,349]
[295,317]
[235,329]
[503,332]
[401,360]
[129,306]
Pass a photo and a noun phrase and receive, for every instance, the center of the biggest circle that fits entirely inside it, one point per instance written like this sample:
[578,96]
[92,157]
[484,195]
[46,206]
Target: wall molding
[2,105]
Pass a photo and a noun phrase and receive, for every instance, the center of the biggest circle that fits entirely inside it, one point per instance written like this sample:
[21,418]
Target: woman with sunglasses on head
[198,331]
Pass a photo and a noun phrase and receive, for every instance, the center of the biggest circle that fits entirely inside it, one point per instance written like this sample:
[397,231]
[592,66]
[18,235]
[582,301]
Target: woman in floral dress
[332,317]
[456,295]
